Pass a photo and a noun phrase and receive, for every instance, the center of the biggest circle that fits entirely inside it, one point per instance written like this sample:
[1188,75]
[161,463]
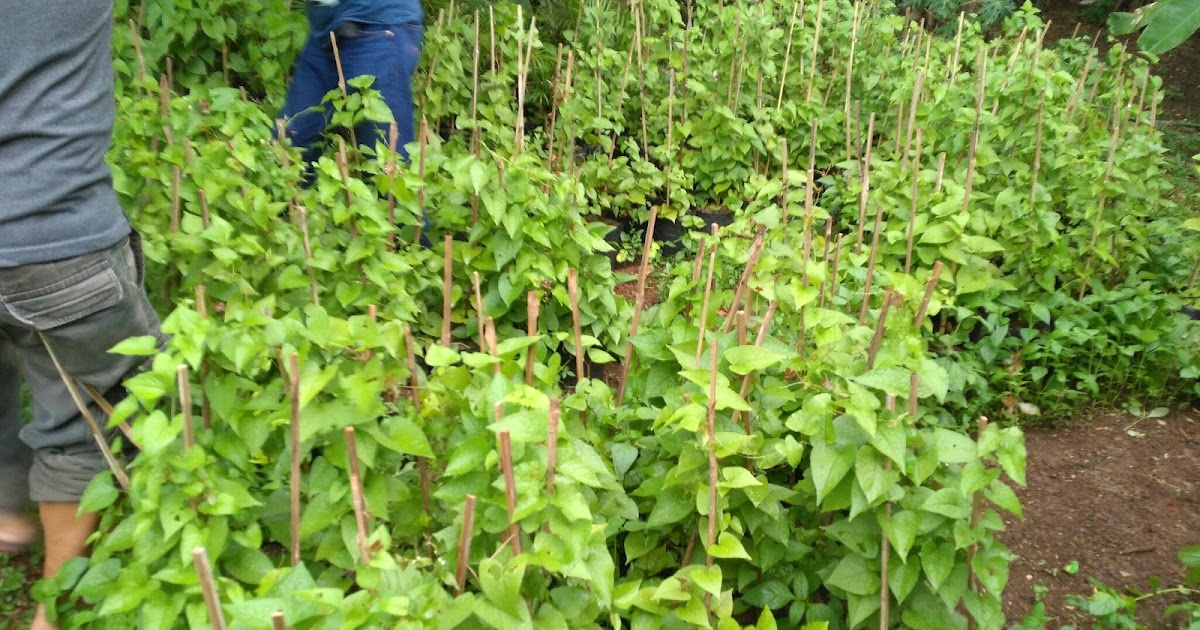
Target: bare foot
[16,531]
[39,620]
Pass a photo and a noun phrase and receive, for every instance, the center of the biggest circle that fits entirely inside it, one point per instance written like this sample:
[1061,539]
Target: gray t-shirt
[56,116]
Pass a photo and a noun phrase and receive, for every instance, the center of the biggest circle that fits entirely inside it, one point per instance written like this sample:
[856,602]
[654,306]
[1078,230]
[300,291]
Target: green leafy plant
[1165,24]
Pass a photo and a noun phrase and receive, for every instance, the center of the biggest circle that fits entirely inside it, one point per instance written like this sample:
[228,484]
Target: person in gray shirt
[70,271]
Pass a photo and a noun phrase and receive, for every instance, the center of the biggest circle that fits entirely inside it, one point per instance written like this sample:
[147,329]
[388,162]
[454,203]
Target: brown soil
[628,290]
[1118,495]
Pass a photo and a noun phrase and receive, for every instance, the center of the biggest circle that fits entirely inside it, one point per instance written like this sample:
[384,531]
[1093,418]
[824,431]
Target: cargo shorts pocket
[87,291]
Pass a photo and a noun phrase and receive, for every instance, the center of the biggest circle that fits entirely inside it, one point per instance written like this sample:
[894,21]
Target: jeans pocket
[91,288]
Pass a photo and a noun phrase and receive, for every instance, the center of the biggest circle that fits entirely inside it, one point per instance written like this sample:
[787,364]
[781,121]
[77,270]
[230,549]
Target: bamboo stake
[1078,92]
[479,316]
[639,302]
[464,538]
[492,34]
[866,185]
[866,303]
[302,217]
[137,50]
[97,433]
[476,130]
[277,622]
[812,76]
[741,327]
[914,381]
[573,291]
[783,195]
[337,62]
[957,47]
[532,309]
[1099,215]
[1037,151]
[185,404]
[510,485]
[424,145]
[489,336]
[737,94]
[976,513]
[176,176]
[825,260]
[356,493]
[552,444]
[880,328]
[205,406]
[837,257]
[415,396]
[522,79]
[612,149]
[912,118]
[850,72]
[758,342]
[698,264]
[712,456]
[637,38]
[447,279]
[912,210]
[787,55]
[703,323]
[806,248]
[555,97]
[208,587]
[941,171]
[294,364]
[812,146]
[743,284]
[970,183]
[737,37]
[930,285]
[392,169]
[885,552]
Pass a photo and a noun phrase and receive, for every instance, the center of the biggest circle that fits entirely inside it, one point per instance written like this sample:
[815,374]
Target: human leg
[304,113]
[16,529]
[390,54]
[81,308]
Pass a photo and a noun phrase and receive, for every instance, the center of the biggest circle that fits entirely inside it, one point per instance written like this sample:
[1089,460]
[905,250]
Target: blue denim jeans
[387,52]
[82,306]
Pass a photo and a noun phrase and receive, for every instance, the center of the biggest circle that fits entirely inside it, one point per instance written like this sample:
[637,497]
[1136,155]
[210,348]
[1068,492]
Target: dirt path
[1114,493]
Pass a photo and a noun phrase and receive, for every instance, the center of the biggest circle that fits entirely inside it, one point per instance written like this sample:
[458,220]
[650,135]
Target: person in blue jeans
[381,38]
